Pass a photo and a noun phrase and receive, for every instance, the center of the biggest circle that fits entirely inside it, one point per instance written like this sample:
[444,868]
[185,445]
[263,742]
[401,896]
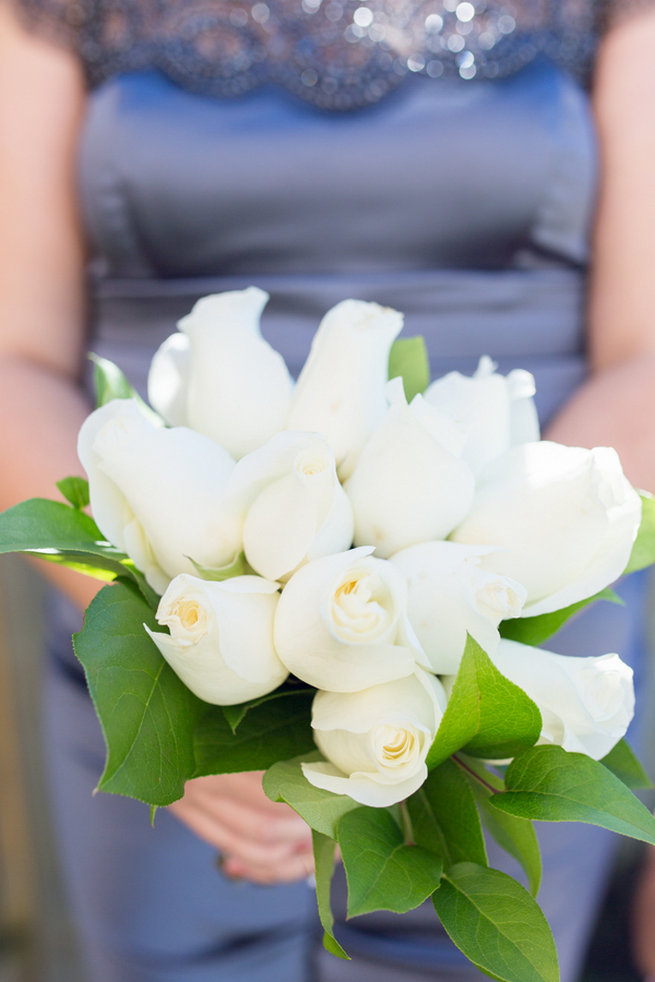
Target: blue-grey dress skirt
[465,205]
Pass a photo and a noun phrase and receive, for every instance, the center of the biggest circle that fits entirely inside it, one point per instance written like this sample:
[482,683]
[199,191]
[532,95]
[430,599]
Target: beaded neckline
[336,54]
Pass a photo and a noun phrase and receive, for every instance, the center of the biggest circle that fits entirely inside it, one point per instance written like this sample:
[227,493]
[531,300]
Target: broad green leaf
[550,785]
[515,835]
[39,523]
[285,781]
[147,715]
[408,359]
[110,383]
[445,818]
[536,630]
[56,532]
[324,850]
[497,924]
[383,872]
[643,551]
[275,730]
[622,762]
[238,567]
[486,713]
[75,490]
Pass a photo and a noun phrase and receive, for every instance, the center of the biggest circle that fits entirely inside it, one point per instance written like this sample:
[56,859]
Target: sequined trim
[337,54]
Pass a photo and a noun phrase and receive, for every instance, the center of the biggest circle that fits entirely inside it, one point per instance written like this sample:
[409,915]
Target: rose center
[360,609]
[395,745]
[190,615]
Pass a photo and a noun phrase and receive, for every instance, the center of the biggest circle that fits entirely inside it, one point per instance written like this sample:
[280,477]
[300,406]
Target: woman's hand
[258,839]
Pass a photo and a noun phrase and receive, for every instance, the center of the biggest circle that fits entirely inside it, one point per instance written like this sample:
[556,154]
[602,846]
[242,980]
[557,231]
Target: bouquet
[343,582]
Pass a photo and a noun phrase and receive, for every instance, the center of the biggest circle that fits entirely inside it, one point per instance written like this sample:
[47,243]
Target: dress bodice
[467,206]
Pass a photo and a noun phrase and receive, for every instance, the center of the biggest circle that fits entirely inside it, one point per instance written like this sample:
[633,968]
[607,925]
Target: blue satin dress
[468,207]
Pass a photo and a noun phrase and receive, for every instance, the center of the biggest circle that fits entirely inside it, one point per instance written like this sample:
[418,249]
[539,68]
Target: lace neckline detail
[336,54]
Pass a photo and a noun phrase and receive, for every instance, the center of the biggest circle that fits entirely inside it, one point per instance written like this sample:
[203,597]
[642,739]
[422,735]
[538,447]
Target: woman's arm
[41,272]
[617,405]
[42,345]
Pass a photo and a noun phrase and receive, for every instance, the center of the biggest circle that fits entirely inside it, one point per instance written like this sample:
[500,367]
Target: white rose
[409,484]
[158,493]
[450,595]
[340,391]
[220,376]
[293,506]
[168,379]
[221,637]
[341,623]
[565,517]
[376,741]
[496,411]
[586,703]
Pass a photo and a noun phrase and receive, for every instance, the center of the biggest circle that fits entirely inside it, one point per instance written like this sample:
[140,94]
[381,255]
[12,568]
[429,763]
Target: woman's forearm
[42,413]
[616,408]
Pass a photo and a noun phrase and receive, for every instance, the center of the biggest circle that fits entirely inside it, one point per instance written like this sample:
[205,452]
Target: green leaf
[238,567]
[43,524]
[445,818]
[60,534]
[515,835]
[551,785]
[622,762]
[486,713]
[110,383]
[324,850]
[147,715]
[643,551]
[103,568]
[408,359]
[75,490]
[383,873]
[497,924]
[536,630]
[275,730]
[236,714]
[322,810]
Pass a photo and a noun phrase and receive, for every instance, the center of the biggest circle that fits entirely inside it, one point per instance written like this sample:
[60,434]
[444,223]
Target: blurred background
[37,939]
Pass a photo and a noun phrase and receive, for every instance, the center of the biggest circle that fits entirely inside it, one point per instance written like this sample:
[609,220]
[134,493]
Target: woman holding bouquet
[438,157]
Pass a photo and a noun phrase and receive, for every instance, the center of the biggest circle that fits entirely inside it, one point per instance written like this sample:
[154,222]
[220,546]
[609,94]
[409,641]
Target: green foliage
[321,809]
[536,630]
[110,383]
[62,534]
[515,835]
[643,551]
[274,730]
[383,872]
[324,850]
[75,490]
[487,714]
[147,715]
[445,818]
[236,714]
[622,762]
[497,924]
[408,359]
[238,567]
[551,785]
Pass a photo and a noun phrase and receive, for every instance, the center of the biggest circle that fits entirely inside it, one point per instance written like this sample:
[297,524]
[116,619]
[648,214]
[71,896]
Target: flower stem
[407,824]
[474,774]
